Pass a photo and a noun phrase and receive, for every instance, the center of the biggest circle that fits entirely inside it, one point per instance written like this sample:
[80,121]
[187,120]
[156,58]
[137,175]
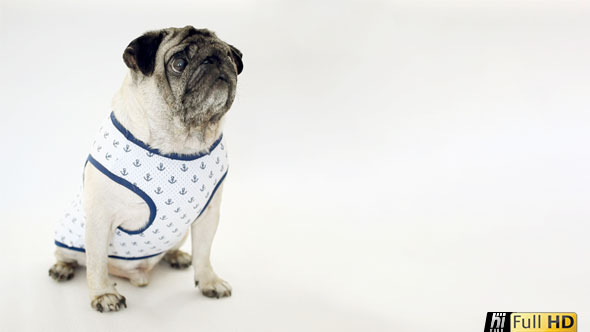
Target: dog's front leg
[98,234]
[203,230]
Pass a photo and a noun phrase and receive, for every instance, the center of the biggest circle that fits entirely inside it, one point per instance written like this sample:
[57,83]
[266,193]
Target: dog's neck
[147,118]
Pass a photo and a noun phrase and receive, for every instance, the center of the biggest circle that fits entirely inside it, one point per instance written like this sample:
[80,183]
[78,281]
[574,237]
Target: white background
[395,166]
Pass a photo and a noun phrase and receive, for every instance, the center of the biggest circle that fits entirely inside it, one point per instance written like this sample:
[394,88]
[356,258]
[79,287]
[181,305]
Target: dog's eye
[179,64]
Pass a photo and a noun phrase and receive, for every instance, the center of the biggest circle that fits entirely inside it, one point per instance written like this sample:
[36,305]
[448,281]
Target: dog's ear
[237,57]
[141,52]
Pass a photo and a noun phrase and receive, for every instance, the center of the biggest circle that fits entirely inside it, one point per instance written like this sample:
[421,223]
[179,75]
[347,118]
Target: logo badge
[531,322]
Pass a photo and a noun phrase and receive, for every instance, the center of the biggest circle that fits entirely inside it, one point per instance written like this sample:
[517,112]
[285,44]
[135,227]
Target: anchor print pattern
[180,189]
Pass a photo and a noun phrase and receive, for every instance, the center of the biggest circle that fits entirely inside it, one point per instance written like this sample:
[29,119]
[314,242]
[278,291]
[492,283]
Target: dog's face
[194,72]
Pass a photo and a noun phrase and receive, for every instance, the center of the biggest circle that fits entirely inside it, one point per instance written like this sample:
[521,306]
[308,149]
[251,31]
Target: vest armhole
[131,187]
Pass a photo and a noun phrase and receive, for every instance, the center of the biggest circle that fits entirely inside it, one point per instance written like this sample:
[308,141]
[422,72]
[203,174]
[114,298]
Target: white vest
[176,188]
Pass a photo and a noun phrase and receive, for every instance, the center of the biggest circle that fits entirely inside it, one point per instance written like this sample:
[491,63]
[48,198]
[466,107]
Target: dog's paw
[215,287]
[178,259]
[108,302]
[61,271]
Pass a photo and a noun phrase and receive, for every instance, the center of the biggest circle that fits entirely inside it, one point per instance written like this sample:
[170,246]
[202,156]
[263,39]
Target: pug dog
[155,169]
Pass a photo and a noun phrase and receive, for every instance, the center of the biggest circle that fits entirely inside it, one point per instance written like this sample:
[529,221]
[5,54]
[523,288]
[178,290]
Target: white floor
[395,166]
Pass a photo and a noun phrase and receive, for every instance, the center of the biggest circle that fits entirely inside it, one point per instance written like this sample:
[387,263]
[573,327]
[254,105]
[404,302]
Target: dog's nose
[210,60]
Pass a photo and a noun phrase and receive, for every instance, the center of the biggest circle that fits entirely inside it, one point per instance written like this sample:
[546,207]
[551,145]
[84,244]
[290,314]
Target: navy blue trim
[128,135]
[84,171]
[131,187]
[59,244]
[212,193]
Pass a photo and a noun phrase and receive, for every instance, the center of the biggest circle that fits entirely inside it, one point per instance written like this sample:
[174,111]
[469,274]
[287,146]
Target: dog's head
[192,72]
